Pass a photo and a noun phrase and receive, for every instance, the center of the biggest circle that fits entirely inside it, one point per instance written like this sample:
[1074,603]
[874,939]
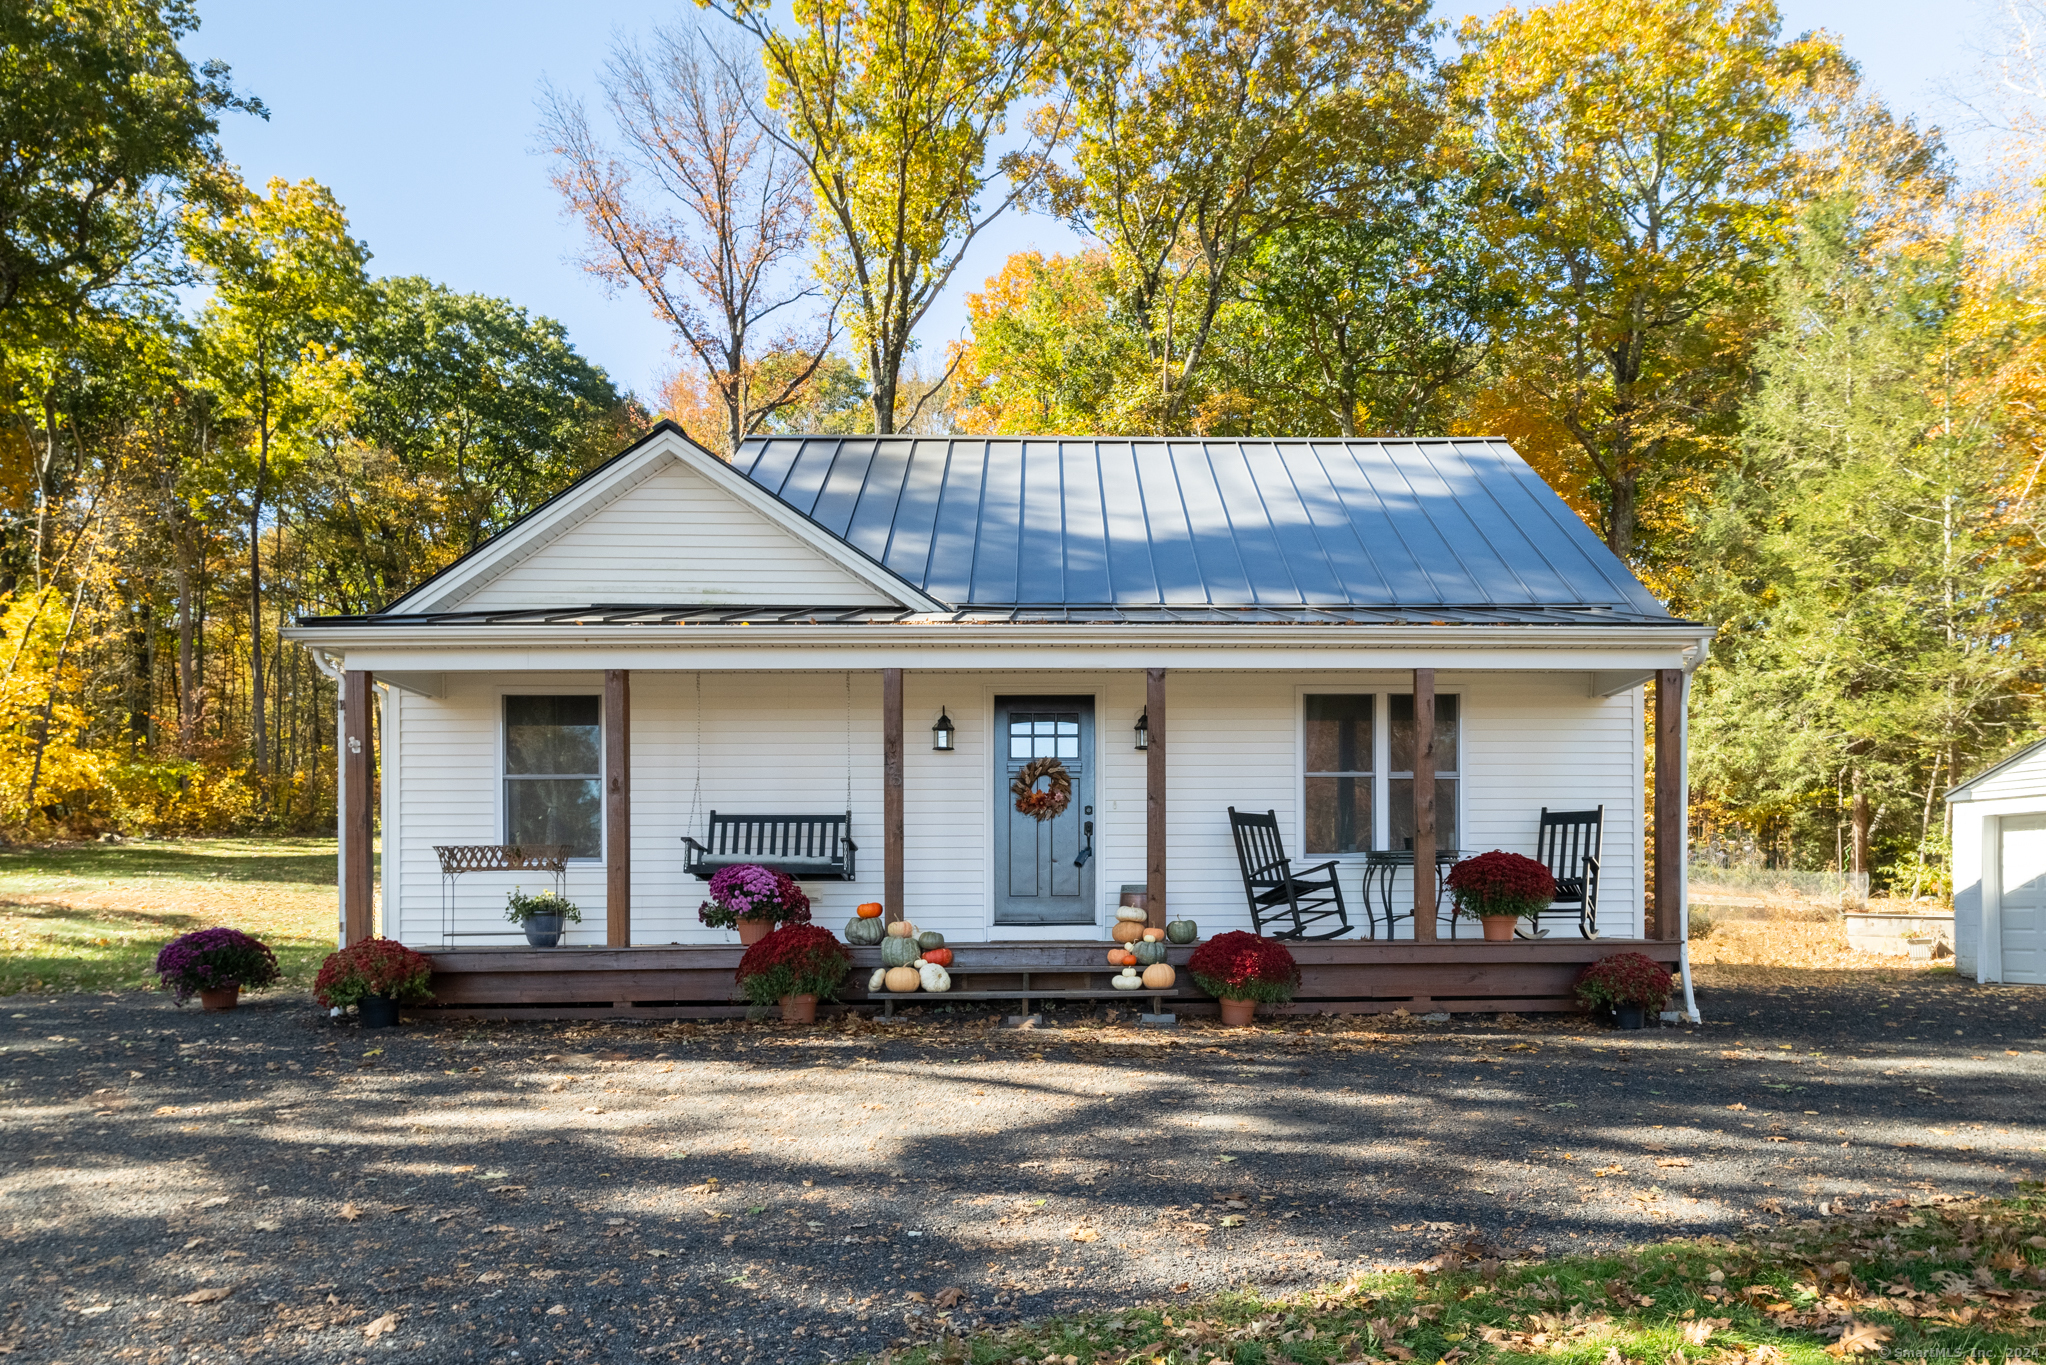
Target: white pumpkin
[878,979]
[1127,980]
[935,978]
[1131,914]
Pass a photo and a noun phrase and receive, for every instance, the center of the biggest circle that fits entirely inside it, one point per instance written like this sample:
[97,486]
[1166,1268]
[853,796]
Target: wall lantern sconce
[1144,731]
[941,733]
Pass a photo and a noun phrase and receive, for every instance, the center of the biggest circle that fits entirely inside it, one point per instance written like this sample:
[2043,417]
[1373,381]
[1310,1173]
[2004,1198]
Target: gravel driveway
[272,1185]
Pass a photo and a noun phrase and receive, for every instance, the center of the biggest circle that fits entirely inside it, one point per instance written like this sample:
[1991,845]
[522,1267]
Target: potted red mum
[1499,888]
[215,965]
[1243,971]
[376,976]
[1628,984]
[794,965]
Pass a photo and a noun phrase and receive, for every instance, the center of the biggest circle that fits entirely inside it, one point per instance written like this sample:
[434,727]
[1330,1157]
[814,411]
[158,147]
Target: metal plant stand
[1381,866]
[457,859]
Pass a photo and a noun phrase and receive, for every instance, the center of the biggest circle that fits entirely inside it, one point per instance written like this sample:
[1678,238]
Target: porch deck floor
[1344,976]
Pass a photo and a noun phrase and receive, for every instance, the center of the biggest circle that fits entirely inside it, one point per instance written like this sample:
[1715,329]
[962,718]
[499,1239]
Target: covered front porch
[676,743]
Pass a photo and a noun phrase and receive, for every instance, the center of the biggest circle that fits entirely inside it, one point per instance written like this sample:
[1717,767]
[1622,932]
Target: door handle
[1088,851]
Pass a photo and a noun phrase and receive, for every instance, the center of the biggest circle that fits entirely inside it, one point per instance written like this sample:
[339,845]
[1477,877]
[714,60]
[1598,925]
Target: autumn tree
[1637,152]
[894,109]
[287,281]
[1203,128]
[706,216]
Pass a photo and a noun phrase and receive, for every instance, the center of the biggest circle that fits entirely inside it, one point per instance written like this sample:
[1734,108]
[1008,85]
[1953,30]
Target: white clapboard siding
[674,538]
[778,743]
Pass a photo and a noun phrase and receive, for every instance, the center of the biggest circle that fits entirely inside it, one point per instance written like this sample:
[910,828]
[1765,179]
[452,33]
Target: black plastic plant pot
[1630,1016]
[378,1011]
[543,931]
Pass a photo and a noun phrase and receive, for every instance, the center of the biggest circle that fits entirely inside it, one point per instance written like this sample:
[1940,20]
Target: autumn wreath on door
[1049,803]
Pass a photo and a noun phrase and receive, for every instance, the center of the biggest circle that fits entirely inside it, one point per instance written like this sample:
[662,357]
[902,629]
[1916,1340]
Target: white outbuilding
[1999,820]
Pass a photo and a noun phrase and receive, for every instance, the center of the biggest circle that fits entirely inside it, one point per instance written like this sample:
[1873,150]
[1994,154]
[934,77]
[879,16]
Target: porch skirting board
[1337,977]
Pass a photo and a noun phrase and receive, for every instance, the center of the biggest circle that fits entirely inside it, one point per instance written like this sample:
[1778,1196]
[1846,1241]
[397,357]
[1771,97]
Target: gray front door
[1036,881]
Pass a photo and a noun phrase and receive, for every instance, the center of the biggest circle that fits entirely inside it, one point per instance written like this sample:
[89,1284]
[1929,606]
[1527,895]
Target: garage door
[2023,905]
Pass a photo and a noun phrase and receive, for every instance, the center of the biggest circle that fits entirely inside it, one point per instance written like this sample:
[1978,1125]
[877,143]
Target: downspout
[1684,874]
[331,667]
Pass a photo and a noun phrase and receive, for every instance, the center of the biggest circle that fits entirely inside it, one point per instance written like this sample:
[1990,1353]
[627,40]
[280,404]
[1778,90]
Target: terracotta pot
[799,1009]
[1238,1013]
[377,1011]
[751,931]
[225,998]
[1499,928]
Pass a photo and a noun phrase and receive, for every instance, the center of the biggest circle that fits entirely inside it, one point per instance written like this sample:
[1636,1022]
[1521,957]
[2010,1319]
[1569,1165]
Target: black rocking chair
[1275,891]
[1568,843]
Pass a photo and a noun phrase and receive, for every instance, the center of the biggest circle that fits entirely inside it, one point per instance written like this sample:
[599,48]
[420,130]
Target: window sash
[549,797]
[1347,812]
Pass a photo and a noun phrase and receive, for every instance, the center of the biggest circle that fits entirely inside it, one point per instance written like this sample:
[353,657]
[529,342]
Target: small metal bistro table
[1381,869]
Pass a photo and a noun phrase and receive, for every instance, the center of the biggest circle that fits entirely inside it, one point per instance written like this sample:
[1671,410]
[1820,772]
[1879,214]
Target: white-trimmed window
[1358,771]
[553,772]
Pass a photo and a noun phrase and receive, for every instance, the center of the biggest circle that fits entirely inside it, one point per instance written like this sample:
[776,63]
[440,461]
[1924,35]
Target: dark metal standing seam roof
[1131,522]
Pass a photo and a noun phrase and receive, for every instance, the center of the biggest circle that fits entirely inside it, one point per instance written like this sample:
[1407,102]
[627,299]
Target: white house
[675,635]
[1999,820]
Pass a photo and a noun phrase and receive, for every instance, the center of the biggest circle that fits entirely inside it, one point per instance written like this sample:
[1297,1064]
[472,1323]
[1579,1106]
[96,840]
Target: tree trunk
[188,694]
[259,734]
[1621,514]
[1860,822]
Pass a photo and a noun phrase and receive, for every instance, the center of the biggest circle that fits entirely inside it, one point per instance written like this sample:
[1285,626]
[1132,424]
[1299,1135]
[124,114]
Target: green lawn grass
[87,917]
[1958,1280]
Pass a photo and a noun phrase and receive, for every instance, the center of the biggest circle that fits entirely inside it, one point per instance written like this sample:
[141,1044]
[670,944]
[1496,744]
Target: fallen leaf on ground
[1090,1235]
[214,1295]
[1673,1161]
[1736,1106]
[387,1323]
[950,1296]
[349,1213]
[1234,1220]
[1859,1337]
[1610,1170]
[507,1189]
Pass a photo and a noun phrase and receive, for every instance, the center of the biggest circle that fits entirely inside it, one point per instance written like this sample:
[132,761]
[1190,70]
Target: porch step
[1026,995]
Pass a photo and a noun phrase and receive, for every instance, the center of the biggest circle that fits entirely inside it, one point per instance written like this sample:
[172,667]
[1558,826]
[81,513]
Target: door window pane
[1044,735]
[552,770]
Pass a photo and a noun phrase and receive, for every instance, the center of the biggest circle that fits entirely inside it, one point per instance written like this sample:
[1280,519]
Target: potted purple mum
[215,965]
[751,899]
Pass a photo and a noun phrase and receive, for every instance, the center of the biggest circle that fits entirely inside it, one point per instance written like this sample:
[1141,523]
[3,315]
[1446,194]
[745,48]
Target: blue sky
[421,117]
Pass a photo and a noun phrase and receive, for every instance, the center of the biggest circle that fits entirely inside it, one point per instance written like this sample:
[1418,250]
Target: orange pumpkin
[1115,957]
[871,910]
[1126,958]
[1153,935]
[1126,932]
[1159,977]
[941,956]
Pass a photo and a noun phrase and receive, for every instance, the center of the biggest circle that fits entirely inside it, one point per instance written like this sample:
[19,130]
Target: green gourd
[929,939]
[1148,952]
[1182,931]
[898,952]
[864,932]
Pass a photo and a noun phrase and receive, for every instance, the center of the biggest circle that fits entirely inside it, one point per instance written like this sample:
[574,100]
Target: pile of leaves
[1499,883]
[1955,1279]
[214,959]
[1241,966]
[1624,979]
[375,966]
[751,892]
[796,959]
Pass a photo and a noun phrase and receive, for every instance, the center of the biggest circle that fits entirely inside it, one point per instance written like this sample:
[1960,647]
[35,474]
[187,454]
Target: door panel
[2022,905]
[1036,882]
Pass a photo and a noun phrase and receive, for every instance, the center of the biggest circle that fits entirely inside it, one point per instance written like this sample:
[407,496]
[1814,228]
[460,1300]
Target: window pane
[1339,733]
[1400,812]
[1338,815]
[1400,710]
[552,735]
[555,811]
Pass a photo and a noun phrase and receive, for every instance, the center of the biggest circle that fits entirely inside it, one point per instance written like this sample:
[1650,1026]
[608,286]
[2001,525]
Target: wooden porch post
[1154,798]
[358,807]
[891,792]
[617,808]
[1424,805]
[1671,816]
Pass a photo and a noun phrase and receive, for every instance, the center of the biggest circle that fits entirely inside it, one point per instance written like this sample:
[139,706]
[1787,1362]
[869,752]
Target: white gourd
[878,979]
[935,978]
[1130,914]
[1128,980]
